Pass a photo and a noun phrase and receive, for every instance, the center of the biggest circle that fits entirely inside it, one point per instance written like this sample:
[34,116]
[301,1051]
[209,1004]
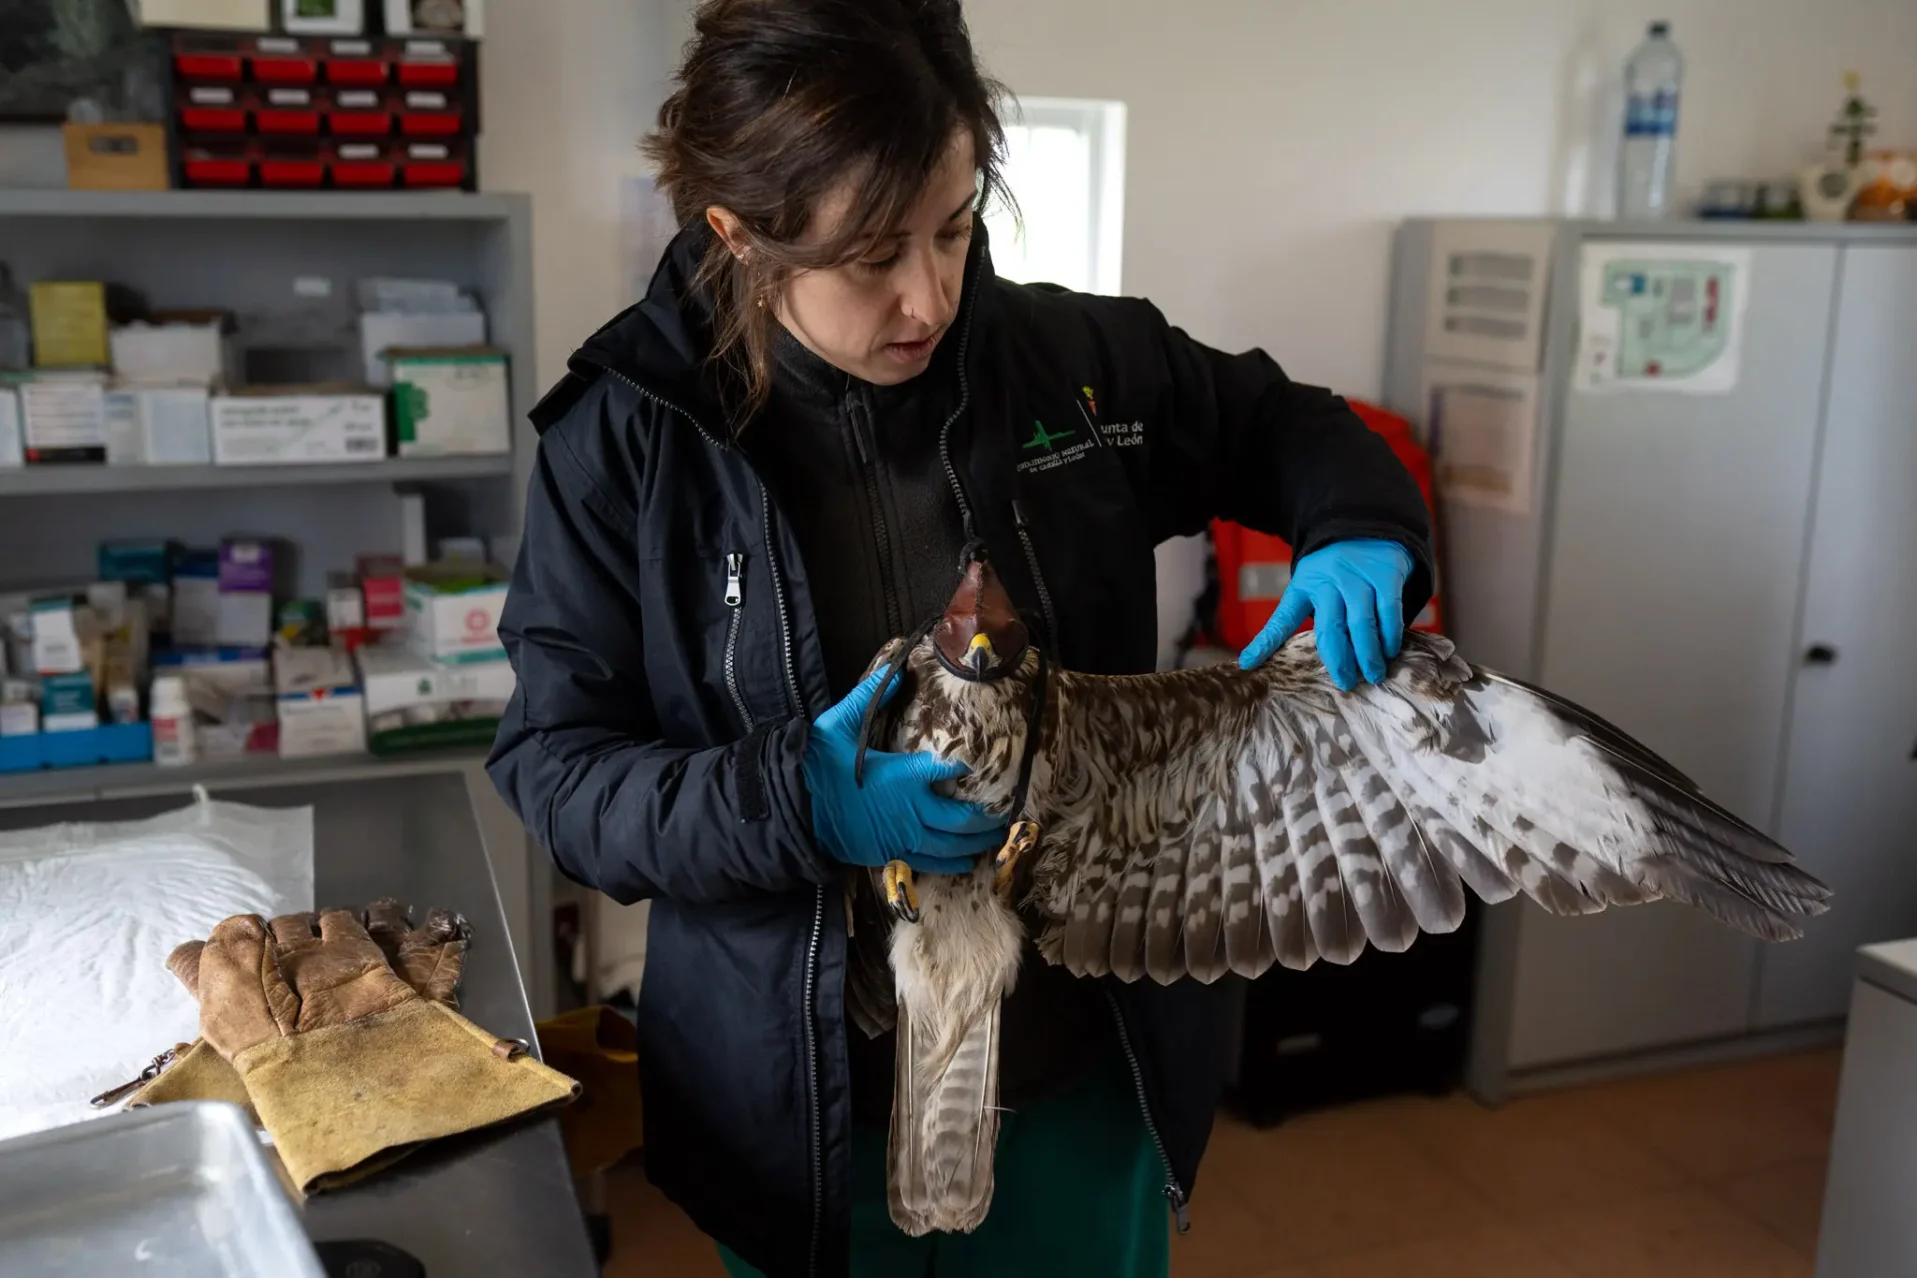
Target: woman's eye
[879,266]
[956,234]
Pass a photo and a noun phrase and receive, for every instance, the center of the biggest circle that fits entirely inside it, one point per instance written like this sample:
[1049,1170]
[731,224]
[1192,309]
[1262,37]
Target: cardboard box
[19,718]
[276,427]
[380,331]
[13,446]
[63,417]
[382,586]
[235,709]
[70,321]
[59,630]
[436,17]
[413,703]
[158,426]
[69,702]
[178,348]
[116,157]
[142,561]
[321,711]
[219,15]
[452,611]
[450,401]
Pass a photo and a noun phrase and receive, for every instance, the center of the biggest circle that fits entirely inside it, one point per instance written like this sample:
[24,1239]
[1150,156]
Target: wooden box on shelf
[116,157]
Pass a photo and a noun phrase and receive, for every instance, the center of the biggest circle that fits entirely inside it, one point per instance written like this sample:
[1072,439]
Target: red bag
[1254,569]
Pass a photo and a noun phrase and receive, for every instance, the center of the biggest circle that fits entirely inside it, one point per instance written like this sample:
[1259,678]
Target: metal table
[490,1204]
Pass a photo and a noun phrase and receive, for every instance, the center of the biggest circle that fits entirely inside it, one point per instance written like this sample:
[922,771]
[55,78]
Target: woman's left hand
[1354,592]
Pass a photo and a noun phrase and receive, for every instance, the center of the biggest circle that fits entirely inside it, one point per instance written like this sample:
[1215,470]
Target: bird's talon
[1020,840]
[900,893]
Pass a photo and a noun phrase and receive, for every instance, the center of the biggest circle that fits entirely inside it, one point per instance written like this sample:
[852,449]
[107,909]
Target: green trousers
[1079,1194]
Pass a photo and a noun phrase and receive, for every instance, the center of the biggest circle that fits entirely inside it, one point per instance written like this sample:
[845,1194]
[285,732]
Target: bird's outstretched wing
[1217,820]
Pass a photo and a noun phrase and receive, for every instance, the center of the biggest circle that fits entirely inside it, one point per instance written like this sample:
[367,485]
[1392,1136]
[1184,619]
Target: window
[1065,165]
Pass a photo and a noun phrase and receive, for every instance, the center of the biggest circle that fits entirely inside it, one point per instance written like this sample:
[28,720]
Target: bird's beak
[980,656]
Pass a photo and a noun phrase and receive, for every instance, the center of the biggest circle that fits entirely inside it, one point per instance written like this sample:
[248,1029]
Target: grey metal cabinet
[1848,805]
[1670,560]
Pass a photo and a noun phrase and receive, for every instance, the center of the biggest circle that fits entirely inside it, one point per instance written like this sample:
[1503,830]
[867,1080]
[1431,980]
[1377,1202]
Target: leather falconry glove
[429,958]
[344,1061]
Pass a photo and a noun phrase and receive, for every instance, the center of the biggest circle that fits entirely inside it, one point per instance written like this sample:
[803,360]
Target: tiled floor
[1705,1174]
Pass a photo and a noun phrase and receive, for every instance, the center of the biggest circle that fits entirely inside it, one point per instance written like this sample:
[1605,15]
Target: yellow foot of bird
[900,894]
[1022,839]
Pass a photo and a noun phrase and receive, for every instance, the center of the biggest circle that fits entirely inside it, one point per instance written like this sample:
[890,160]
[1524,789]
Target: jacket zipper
[735,600]
[965,398]
[1174,1192]
[818,900]
[864,445]
[1038,574]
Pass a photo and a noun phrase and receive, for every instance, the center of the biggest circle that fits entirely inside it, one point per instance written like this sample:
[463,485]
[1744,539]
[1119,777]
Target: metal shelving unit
[132,780]
[43,481]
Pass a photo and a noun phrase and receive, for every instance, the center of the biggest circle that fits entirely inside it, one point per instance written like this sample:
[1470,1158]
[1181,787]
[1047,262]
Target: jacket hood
[662,342]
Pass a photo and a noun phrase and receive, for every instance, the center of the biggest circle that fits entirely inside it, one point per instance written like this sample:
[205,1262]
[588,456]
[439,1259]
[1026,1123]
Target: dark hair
[779,101]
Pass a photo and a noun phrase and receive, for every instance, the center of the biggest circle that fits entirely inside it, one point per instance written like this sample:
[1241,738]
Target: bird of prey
[1183,825]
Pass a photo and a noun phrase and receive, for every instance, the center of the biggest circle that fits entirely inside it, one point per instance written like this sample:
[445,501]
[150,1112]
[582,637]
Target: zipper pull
[1018,515]
[861,433]
[735,572]
[1181,1209]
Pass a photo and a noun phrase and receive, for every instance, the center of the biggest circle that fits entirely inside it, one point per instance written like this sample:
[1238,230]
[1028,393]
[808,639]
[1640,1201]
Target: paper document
[1482,428]
[1661,317]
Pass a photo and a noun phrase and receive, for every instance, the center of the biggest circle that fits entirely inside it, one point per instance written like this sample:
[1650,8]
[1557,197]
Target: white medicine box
[158,426]
[450,401]
[13,449]
[178,347]
[283,427]
[453,609]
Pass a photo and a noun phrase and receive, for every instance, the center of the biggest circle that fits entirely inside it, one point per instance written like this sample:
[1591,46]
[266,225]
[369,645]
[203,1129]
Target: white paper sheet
[1482,427]
[1661,317]
[89,913]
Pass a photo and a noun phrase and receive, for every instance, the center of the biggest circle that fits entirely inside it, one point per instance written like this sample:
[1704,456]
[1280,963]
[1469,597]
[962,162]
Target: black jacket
[653,746]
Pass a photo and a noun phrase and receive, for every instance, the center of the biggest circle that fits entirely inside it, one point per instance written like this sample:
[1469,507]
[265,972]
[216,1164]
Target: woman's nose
[924,294]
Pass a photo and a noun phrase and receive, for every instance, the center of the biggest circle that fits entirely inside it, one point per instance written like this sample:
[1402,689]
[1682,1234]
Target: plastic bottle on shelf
[1653,81]
[174,742]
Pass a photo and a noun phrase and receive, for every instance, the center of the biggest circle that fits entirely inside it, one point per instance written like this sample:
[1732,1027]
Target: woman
[747,483]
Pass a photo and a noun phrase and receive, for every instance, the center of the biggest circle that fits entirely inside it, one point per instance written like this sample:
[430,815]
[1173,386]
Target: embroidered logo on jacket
[1045,442]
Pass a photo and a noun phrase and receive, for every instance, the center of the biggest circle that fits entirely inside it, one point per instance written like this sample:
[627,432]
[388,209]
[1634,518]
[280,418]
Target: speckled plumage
[1219,820]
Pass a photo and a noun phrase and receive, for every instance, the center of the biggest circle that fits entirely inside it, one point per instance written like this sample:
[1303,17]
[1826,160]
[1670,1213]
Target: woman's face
[881,316]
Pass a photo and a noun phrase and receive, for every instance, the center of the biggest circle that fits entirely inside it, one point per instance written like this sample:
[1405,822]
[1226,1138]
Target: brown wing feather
[1216,819]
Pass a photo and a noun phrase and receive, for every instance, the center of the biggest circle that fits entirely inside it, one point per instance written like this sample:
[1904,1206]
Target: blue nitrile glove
[1354,591]
[896,815]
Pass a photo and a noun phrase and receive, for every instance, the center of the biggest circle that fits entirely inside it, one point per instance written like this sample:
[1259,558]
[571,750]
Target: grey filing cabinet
[1730,576]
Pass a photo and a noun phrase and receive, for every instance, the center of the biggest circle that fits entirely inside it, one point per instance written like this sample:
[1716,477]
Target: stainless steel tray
[176,1190]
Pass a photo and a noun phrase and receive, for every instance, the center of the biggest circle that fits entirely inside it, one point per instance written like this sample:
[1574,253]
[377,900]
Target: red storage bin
[427,64]
[359,63]
[1254,568]
[432,164]
[217,164]
[359,113]
[208,65]
[363,165]
[284,109]
[292,164]
[282,60]
[212,108]
[428,113]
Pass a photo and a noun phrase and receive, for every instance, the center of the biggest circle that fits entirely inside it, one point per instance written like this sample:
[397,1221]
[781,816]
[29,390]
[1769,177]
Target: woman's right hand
[896,815]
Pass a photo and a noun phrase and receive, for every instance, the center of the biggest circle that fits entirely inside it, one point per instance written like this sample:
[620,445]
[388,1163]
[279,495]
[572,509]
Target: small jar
[174,742]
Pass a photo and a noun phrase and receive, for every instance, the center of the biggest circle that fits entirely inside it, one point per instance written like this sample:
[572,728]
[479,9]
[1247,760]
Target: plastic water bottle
[1653,79]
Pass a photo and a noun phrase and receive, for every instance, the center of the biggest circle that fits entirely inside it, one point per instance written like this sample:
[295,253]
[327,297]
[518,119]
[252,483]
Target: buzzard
[1184,825]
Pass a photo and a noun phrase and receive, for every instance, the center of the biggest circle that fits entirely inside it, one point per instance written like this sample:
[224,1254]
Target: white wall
[1272,143]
